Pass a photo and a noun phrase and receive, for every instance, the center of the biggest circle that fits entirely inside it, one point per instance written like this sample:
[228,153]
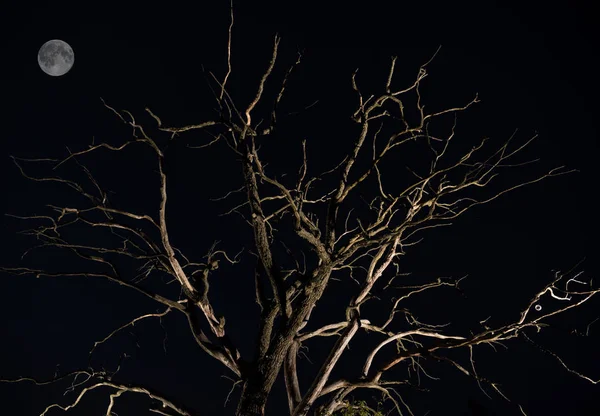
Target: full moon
[56,57]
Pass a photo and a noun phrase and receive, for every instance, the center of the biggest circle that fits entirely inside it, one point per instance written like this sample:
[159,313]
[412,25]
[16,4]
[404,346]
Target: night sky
[534,68]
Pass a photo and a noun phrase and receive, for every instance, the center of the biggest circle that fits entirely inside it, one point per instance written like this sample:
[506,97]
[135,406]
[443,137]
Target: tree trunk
[260,379]
[253,399]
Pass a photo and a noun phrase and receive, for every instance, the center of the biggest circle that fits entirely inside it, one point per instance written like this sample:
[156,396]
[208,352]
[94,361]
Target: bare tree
[338,239]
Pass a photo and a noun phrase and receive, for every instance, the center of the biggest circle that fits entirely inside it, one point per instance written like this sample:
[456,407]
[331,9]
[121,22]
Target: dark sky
[534,67]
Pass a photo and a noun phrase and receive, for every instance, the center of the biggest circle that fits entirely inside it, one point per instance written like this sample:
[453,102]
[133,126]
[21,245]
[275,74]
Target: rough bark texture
[253,398]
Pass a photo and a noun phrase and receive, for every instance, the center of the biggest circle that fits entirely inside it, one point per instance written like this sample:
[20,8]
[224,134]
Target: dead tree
[336,240]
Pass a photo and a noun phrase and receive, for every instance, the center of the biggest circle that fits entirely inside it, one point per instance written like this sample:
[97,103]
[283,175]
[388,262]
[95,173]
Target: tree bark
[254,398]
